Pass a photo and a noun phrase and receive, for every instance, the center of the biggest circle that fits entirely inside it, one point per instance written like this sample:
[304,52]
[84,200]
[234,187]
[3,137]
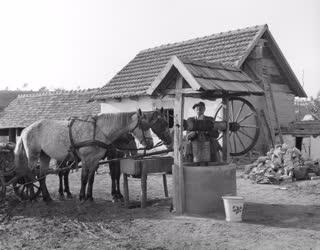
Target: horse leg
[112,169]
[66,183]
[90,184]
[30,190]
[31,176]
[84,181]
[117,177]
[61,185]
[60,174]
[44,165]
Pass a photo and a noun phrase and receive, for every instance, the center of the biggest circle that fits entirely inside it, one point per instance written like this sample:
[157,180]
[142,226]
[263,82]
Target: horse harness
[93,142]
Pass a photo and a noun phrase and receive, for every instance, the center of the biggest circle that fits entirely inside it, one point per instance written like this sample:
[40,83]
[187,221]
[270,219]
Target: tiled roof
[28,108]
[219,77]
[203,76]
[135,78]
[6,96]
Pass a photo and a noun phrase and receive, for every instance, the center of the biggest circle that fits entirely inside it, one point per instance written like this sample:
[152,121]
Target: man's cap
[198,105]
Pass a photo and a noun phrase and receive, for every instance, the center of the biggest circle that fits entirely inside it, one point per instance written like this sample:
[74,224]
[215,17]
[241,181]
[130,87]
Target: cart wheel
[244,125]
[24,192]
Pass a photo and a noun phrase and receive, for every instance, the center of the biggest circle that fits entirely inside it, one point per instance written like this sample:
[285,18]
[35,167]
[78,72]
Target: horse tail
[20,156]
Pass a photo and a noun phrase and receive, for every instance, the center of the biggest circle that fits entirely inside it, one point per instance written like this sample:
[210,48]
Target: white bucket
[233,207]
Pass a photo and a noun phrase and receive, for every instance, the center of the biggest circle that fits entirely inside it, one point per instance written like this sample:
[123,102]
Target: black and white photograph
[159,125]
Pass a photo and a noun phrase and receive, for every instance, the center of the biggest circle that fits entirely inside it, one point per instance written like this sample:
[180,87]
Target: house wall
[4,139]
[262,67]
[148,104]
[285,108]
[311,148]
[145,103]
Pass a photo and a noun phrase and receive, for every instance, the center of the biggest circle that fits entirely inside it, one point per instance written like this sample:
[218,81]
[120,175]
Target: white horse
[89,138]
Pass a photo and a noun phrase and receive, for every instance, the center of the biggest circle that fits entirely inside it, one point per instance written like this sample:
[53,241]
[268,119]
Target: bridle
[159,121]
[139,125]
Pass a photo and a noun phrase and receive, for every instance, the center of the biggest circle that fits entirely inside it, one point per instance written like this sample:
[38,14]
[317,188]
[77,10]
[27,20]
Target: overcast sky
[83,43]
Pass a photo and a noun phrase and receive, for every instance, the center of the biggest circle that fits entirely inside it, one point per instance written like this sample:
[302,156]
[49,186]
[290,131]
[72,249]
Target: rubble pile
[281,163]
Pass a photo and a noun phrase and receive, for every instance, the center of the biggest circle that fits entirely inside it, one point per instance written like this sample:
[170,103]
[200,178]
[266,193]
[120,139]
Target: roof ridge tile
[60,91]
[235,31]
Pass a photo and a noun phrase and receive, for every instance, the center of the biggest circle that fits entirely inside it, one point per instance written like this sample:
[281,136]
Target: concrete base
[205,185]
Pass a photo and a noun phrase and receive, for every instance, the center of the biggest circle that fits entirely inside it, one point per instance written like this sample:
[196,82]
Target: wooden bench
[140,168]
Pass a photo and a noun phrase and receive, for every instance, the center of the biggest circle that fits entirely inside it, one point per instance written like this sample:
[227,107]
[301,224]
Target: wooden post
[259,71]
[178,180]
[268,90]
[125,190]
[226,139]
[263,76]
[165,186]
[12,135]
[144,176]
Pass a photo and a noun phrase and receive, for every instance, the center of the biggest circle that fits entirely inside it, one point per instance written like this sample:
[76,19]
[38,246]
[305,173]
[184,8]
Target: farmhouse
[28,108]
[253,50]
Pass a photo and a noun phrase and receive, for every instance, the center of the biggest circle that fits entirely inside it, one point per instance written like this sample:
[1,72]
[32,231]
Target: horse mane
[118,119]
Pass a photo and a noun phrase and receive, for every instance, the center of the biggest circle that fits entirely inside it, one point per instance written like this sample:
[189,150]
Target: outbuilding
[252,50]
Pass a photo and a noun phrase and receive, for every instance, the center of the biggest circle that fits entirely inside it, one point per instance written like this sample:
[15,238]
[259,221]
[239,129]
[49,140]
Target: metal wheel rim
[234,136]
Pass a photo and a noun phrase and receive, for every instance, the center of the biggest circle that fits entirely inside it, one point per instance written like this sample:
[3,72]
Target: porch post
[178,179]
[226,139]
[12,135]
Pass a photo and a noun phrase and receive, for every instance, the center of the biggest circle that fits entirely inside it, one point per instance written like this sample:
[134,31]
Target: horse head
[156,120]
[141,131]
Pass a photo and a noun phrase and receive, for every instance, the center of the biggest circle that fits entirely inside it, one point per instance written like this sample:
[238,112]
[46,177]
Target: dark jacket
[207,134]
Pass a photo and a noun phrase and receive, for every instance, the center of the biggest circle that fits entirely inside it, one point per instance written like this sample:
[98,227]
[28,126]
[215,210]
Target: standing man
[199,139]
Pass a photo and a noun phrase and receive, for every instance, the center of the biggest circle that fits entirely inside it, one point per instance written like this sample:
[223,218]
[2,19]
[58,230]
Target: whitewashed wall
[132,105]
[149,104]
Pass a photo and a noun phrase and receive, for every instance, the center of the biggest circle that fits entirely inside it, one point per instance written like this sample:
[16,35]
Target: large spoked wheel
[244,125]
[26,192]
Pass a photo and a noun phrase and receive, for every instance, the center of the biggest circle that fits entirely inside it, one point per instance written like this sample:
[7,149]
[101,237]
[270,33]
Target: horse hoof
[114,199]
[61,197]
[69,196]
[120,197]
[90,199]
[33,200]
[47,200]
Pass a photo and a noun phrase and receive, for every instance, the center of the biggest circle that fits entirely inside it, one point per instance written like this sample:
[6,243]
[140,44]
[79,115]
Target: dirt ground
[275,217]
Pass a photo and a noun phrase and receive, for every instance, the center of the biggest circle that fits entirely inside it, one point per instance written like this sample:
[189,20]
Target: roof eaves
[285,65]
[176,62]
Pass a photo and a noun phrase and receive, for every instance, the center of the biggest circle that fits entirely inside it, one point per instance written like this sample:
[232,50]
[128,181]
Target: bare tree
[43,89]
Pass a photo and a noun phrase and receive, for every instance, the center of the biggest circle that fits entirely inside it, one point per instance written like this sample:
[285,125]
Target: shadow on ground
[98,211]
[283,216]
